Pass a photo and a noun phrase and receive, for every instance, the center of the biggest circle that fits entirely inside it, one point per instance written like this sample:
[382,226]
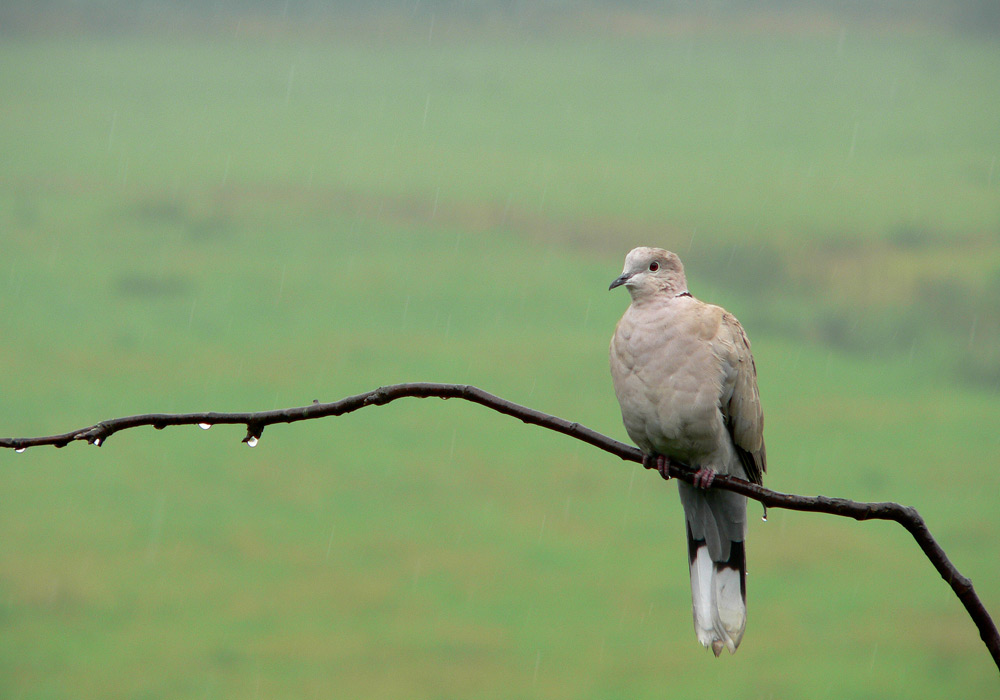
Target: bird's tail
[719,595]
[717,560]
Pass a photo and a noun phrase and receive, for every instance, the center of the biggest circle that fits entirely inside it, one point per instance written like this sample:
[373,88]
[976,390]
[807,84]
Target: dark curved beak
[620,281]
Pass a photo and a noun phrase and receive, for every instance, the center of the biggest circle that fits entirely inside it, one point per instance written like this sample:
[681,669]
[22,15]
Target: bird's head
[650,272]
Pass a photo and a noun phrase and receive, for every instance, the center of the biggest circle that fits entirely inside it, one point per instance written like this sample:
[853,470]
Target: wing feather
[743,413]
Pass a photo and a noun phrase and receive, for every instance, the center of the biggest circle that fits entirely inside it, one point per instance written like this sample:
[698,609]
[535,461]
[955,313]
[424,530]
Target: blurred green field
[257,220]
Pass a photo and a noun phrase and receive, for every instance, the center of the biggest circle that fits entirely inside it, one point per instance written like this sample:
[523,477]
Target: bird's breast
[665,381]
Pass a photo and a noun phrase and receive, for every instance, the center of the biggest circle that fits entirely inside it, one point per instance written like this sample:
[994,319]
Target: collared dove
[687,385]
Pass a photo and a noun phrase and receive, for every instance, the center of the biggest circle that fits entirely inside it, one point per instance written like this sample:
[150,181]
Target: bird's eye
[654,266]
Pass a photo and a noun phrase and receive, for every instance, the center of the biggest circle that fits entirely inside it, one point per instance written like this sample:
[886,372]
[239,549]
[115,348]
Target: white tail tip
[719,606]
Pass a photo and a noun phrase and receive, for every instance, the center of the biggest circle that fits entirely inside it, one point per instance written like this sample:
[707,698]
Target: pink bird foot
[703,478]
[659,463]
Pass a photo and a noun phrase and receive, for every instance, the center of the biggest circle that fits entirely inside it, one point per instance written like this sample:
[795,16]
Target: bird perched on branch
[687,385]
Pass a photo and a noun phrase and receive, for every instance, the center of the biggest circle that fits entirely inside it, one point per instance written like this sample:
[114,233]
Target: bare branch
[255,423]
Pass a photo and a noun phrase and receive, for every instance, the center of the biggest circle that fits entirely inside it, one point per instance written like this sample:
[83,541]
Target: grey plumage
[686,381]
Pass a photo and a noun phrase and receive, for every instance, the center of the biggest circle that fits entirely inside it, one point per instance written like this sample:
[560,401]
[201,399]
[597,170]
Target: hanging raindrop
[19,450]
[204,426]
[97,442]
[764,517]
[252,441]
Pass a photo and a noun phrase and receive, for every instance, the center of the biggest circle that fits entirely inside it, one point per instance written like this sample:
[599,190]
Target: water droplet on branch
[204,426]
[19,450]
[251,441]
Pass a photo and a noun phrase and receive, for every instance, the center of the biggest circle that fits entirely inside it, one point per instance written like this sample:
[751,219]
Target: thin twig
[908,517]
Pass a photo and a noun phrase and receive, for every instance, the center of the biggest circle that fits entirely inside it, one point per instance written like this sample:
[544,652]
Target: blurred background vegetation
[246,205]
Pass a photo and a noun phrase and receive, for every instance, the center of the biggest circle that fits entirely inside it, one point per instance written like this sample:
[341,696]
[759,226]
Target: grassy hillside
[260,220]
